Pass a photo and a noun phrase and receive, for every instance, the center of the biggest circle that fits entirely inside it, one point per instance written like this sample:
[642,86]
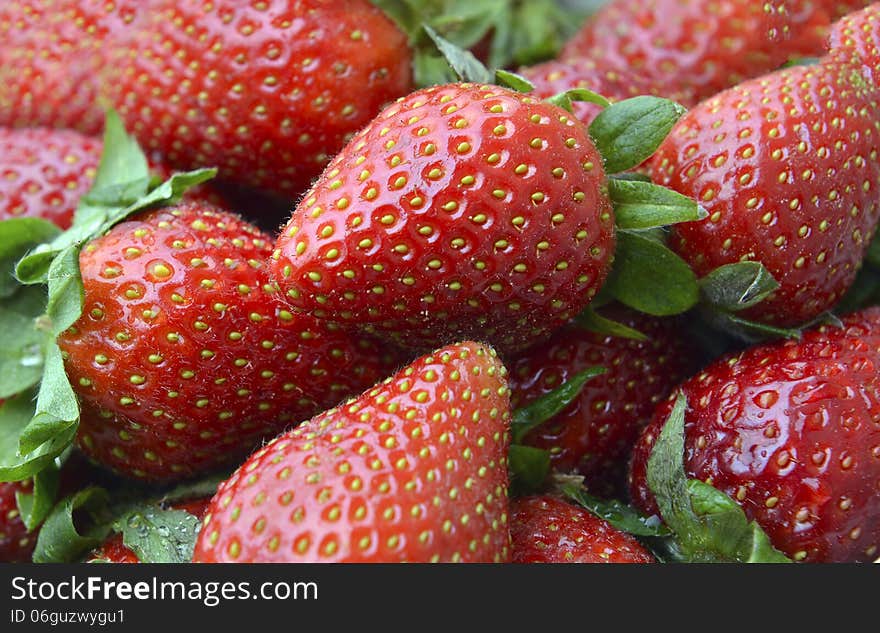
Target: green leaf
[529,466]
[59,541]
[732,534]
[21,341]
[630,131]
[57,407]
[650,278]
[708,525]
[644,205]
[631,176]
[565,99]
[513,81]
[620,515]
[17,237]
[591,320]
[34,507]
[15,415]
[544,408]
[158,536]
[739,286]
[65,290]
[666,475]
[123,173]
[465,65]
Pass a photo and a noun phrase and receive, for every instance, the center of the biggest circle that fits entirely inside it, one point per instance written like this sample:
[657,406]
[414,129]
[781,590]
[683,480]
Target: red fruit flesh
[266,91]
[184,359]
[43,173]
[461,211]
[812,19]
[113,550]
[413,470]
[595,434]
[547,530]
[786,167]
[789,430]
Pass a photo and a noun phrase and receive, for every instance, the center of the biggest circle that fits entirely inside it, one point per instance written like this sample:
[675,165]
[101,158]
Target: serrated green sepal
[629,132]
[644,205]
[647,276]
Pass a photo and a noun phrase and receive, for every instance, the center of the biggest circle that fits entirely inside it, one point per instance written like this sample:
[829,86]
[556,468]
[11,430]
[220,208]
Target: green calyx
[43,296]
[152,530]
[508,33]
[708,526]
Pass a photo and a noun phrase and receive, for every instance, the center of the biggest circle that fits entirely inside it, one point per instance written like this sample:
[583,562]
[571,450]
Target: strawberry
[413,470]
[463,210]
[545,529]
[812,19]
[183,358]
[695,47]
[786,166]
[113,550]
[789,430]
[16,543]
[265,90]
[52,52]
[594,434]
[43,172]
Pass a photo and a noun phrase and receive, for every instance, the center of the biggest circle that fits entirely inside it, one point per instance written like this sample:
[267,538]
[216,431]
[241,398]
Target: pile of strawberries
[617,306]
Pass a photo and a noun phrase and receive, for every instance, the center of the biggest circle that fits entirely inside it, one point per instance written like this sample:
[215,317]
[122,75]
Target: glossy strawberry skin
[812,20]
[547,530]
[413,470]
[51,56]
[692,46]
[786,167]
[113,550]
[266,91]
[594,435]
[44,172]
[16,544]
[461,211]
[183,358]
[790,431]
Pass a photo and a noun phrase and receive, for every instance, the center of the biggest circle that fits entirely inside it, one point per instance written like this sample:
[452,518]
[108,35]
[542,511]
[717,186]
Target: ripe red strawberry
[51,54]
[265,90]
[462,211]
[595,433]
[113,550]
[43,172]
[786,166]
[857,38]
[183,358]
[812,19]
[413,470]
[696,47]
[547,530]
[790,431]
[16,543]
